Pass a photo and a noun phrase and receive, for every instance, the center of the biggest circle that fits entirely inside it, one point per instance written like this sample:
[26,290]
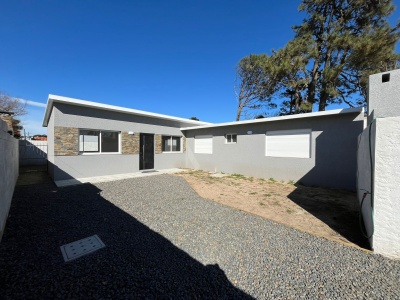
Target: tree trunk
[311,85]
[239,112]
[322,101]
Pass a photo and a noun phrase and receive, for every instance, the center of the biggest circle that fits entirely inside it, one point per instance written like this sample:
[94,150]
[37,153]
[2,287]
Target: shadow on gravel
[336,208]
[136,262]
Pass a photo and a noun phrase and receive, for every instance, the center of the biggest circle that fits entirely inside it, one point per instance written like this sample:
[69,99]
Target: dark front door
[146,156]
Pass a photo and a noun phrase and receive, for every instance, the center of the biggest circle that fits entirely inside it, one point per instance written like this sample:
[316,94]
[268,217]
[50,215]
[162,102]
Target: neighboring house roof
[290,117]
[71,101]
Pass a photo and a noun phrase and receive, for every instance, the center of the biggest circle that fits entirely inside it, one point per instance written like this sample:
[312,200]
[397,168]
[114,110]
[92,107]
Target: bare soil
[329,213]
[29,175]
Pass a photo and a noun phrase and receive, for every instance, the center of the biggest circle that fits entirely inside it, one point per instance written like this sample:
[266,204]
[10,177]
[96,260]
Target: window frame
[231,135]
[170,138]
[99,152]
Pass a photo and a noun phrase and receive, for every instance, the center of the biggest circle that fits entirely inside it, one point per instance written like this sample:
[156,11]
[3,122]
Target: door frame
[146,156]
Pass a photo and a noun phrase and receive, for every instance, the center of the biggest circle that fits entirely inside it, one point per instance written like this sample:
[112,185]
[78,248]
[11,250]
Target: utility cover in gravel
[164,241]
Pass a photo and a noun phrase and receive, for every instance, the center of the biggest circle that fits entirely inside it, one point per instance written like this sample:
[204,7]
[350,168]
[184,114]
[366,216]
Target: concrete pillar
[384,95]
[379,144]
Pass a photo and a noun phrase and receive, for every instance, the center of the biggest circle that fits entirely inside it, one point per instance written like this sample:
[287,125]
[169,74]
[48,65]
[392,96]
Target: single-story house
[87,139]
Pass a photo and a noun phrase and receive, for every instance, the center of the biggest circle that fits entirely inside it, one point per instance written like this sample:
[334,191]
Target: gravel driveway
[164,241]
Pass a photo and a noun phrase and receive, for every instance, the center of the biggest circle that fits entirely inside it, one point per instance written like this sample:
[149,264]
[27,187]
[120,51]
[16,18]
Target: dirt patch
[329,213]
[33,175]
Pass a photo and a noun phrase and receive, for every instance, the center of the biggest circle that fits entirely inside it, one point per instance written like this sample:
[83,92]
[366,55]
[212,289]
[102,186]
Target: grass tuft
[237,176]
[290,211]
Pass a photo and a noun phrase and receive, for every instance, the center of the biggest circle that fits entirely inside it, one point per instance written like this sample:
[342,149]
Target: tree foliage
[14,106]
[338,45]
[254,85]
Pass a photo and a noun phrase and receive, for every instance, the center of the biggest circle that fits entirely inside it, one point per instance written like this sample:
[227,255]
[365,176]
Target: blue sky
[170,57]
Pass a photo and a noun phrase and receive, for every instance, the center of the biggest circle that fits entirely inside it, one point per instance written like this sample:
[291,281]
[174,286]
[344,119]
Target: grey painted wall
[9,172]
[333,151]
[81,166]
[67,167]
[50,146]
[364,176]
[84,117]
[169,160]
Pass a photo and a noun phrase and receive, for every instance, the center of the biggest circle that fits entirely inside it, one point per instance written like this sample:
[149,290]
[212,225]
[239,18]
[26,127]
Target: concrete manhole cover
[82,247]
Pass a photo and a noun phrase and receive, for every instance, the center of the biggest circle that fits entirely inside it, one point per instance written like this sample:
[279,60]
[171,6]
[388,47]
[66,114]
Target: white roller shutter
[203,144]
[289,143]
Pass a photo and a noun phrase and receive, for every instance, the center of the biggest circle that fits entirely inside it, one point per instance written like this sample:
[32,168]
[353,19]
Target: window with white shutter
[288,143]
[203,144]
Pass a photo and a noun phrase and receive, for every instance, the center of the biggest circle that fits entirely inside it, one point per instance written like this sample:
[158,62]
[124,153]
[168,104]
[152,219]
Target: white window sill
[99,153]
[172,152]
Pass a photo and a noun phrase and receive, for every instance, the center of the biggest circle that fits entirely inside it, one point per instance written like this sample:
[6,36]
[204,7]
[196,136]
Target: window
[98,141]
[288,143]
[231,138]
[203,144]
[171,144]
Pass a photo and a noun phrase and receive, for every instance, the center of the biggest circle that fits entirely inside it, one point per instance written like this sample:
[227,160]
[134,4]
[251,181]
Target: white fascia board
[291,117]
[71,101]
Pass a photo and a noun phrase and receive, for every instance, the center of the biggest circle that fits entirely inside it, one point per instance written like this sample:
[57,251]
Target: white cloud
[34,127]
[32,121]
[34,103]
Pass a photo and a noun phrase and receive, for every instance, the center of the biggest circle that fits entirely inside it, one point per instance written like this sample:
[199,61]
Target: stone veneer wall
[130,142]
[158,146]
[184,144]
[66,140]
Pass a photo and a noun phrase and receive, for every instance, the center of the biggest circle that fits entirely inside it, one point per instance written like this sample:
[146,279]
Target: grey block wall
[8,172]
[80,166]
[333,151]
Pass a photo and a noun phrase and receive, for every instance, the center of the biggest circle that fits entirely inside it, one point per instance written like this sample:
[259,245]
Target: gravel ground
[164,241]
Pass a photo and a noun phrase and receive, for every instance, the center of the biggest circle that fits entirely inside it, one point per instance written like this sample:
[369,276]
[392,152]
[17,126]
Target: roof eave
[281,118]
[95,105]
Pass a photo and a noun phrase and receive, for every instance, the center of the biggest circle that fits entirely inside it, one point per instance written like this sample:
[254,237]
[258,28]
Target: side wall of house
[333,151]
[68,163]
[9,172]
[50,144]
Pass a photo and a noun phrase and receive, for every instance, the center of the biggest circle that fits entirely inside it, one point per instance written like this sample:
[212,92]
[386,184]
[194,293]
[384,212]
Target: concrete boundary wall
[8,172]
[383,221]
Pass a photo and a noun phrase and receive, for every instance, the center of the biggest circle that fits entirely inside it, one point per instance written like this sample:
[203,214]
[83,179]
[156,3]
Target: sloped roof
[84,103]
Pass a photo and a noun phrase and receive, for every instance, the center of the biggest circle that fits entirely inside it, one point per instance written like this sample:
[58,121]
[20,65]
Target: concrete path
[107,178]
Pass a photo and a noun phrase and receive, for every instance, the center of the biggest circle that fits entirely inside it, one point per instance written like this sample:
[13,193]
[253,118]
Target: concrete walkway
[107,178]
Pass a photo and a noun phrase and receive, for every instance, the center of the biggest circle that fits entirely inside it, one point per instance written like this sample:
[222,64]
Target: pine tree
[338,45]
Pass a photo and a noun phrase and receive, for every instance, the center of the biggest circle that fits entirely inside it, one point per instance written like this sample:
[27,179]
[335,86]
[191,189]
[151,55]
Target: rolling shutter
[289,143]
[203,144]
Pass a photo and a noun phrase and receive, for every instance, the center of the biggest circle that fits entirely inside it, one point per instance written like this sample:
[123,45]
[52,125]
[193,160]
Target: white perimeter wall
[8,172]
[385,141]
